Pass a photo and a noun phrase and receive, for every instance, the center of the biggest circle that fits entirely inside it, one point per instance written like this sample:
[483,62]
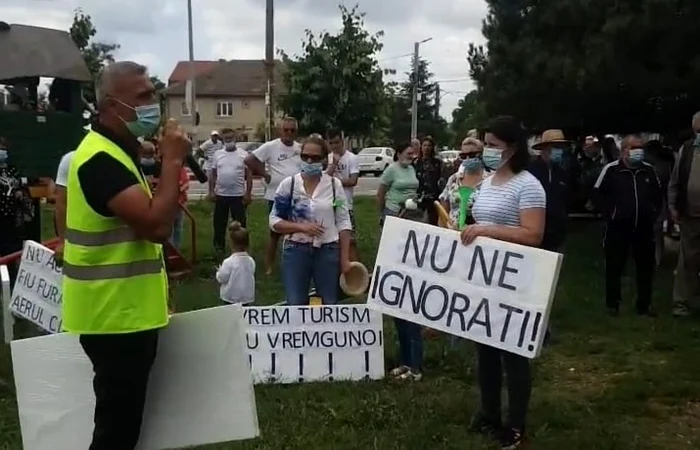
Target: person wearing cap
[547,168]
[207,150]
[628,193]
[589,164]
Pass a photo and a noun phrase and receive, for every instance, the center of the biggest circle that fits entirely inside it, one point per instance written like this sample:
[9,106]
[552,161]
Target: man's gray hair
[113,72]
[626,140]
[696,121]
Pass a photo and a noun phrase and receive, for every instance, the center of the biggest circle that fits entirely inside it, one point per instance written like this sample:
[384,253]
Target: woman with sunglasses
[310,210]
[460,191]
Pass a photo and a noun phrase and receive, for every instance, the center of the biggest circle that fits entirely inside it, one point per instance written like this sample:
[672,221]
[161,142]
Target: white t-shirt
[236,278]
[347,165]
[230,172]
[317,208]
[501,205]
[209,148]
[63,169]
[280,162]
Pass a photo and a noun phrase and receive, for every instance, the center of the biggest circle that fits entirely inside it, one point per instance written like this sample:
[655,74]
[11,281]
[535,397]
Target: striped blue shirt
[501,205]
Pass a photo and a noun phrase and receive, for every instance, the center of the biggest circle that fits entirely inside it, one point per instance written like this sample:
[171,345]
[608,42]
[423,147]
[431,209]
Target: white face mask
[493,158]
[536,152]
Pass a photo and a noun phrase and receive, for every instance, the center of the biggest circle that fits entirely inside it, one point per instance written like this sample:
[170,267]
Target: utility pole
[270,68]
[437,100]
[190,87]
[414,102]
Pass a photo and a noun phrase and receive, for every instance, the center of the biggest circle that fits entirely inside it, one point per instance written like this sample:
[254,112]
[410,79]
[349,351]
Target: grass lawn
[605,383]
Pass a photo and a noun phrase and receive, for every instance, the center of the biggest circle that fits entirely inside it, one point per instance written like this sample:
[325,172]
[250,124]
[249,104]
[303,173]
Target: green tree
[469,114]
[615,67]
[430,123]
[96,54]
[336,81]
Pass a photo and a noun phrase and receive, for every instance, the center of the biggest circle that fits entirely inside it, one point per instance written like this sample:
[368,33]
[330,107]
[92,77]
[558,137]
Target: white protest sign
[200,390]
[37,292]
[493,292]
[7,321]
[290,344]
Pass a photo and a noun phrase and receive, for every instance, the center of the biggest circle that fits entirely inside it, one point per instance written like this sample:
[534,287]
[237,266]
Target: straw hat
[354,283]
[551,137]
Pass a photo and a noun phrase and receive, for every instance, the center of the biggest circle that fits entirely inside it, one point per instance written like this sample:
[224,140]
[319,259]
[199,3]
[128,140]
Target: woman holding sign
[460,191]
[510,207]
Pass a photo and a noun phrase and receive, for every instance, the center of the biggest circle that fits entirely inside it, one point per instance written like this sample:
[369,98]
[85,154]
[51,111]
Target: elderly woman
[460,190]
[510,207]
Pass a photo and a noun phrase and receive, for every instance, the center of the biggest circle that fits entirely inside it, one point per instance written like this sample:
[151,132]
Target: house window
[184,109]
[224,109]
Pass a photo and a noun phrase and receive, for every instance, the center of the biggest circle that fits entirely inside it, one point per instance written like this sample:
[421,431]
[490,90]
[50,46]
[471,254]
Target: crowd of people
[115,286]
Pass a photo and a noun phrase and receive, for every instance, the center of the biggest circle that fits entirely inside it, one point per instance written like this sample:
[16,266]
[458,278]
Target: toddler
[236,275]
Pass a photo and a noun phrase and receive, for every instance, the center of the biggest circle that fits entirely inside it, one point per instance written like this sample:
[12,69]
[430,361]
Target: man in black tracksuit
[629,195]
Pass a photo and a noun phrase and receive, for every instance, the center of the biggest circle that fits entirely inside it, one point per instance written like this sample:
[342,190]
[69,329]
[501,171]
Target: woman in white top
[510,206]
[310,209]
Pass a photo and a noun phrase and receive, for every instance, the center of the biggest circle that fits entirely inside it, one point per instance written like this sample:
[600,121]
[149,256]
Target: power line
[405,55]
[453,80]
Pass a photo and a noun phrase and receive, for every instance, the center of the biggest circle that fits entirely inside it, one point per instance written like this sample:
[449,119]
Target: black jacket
[625,194]
[554,181]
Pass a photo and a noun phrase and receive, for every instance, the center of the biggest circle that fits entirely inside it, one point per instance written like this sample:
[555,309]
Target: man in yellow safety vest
[115,289]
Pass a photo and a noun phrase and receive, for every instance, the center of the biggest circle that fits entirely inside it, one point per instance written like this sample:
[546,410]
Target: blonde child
[236,275]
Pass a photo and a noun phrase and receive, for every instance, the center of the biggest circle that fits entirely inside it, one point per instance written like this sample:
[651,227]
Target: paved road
[366,186]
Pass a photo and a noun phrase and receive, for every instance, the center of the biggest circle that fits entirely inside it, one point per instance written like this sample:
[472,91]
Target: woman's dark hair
[510,130]
[432,144]
[316,141]
[402,147]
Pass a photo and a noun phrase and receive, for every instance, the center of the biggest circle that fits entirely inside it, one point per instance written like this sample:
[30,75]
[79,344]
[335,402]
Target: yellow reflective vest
[113,281]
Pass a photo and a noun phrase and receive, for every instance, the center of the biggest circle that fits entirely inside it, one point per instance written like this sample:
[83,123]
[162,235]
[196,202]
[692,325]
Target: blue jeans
[176,235]
[303,262]
[410,344]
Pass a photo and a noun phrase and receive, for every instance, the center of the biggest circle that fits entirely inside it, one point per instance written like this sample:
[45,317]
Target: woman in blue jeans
[310,210]
[398,184]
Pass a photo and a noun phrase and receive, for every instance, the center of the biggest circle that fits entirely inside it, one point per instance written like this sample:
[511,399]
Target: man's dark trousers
[620,238]
[122,364]
[222,207]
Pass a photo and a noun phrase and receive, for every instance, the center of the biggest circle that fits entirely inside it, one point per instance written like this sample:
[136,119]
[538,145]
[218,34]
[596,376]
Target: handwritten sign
[290,344]
[493,292]
[37,292]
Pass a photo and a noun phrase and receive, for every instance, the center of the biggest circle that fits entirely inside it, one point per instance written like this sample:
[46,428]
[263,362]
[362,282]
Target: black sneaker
[485,427]
[512,439]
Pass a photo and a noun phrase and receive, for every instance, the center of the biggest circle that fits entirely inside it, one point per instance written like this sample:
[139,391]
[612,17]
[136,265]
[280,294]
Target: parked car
[375,160]
[248,146]
[449,156]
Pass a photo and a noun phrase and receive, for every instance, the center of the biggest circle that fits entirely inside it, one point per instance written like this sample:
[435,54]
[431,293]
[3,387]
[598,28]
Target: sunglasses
[470,155]
[311,158]
[289,130]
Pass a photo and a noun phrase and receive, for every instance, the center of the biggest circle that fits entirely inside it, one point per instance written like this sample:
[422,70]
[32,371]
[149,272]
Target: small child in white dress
[236,275]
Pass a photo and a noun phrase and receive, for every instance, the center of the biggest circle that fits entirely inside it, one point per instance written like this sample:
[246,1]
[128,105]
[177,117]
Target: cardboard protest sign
[37,292]
[290,344]
[200,390]
[493,292]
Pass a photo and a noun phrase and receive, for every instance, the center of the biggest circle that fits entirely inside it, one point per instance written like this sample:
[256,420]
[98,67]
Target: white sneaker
[397,372]
[411,376]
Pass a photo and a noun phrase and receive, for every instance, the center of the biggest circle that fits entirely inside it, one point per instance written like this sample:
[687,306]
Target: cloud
[154,32]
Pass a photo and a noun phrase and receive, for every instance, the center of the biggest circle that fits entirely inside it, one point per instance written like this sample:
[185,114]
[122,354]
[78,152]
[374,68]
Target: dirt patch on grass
[580,378]
[676,428]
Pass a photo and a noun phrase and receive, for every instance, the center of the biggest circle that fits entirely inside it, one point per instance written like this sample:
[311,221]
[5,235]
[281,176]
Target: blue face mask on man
[556,156]
[147,119]
[635,156]
[311,169]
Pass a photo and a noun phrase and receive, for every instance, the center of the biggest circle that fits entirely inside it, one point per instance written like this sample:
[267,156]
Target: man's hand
[345,266]
[267,178]
[58,254]
[247,199]
[173,143]
[674,215]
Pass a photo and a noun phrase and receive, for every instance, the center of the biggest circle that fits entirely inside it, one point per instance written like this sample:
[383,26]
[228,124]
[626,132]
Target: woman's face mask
[493,158]
[472,164]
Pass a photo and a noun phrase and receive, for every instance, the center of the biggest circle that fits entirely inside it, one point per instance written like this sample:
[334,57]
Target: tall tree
[615,67]
[469,114]
[430,123]
[336,81]
[96,54]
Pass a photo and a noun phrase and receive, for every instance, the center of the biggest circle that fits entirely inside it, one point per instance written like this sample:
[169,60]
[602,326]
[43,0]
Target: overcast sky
[154,32]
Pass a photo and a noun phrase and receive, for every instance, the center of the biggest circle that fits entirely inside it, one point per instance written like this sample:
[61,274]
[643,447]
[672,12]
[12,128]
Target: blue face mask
[493,158]
[636,155]
[148,162]
[472,164]
[147,119]
[556,156]
[3,155]
[311,169]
